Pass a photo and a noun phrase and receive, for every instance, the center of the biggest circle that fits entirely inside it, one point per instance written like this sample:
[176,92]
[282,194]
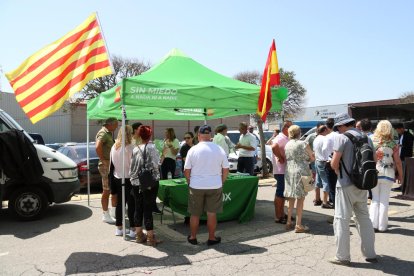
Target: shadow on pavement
[55,216]
[394,203]
[389,265]
[96,262]
[409,219]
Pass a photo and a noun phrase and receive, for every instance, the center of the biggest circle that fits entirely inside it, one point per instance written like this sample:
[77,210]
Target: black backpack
[363,173]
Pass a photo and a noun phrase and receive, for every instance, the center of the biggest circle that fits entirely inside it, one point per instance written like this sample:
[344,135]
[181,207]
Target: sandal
[289,226]
[317,202]
[152,241]
[301,229]
[141,238]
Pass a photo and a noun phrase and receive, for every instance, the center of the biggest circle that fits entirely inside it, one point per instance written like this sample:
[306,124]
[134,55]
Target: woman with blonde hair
[122,168]
[388,162]
[169,153]
[298,156]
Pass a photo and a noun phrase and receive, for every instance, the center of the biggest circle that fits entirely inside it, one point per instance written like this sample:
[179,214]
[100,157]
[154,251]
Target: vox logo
[226,197]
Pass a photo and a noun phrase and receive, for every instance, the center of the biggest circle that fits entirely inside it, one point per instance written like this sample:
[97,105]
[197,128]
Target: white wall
[55,128]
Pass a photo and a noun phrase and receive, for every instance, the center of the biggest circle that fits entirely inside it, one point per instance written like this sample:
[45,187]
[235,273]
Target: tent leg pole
[87,161]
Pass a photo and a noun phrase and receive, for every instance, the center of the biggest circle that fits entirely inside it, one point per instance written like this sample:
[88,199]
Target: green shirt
[105,136]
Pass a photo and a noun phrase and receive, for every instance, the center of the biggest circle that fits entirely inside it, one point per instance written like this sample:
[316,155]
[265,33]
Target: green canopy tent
[179,88]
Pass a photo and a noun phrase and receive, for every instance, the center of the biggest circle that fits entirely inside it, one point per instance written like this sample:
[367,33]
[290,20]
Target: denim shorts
[280,185]
[321,179]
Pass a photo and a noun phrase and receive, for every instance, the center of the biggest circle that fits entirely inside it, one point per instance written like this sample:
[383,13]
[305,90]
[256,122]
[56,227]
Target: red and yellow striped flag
[44,81]
[270,78]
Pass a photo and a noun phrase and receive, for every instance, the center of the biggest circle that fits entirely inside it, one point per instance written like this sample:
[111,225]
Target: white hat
[342,119]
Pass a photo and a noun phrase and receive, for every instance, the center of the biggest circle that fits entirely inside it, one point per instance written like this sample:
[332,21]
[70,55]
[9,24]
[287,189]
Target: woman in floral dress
[298,156]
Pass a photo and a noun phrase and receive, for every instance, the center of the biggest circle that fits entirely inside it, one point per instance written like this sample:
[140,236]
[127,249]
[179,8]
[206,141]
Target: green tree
[291,106]
[296,96]
[407,97]
[123,68]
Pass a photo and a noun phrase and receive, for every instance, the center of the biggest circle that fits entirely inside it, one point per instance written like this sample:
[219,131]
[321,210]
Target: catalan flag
[44,81]
[270,78]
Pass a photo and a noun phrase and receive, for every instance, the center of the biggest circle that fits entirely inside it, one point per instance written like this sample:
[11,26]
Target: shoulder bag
[145,174]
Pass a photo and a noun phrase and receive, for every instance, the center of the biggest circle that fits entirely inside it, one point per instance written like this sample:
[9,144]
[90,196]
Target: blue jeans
[280,185]
[322,180]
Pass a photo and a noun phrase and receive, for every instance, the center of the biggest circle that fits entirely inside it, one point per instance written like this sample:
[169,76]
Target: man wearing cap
[349,198]
[104,142]
[247,147]
[206,169]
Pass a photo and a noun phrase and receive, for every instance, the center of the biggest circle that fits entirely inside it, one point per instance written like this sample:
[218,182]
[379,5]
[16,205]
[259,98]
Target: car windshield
[234,137]
[267,135]
[81,151]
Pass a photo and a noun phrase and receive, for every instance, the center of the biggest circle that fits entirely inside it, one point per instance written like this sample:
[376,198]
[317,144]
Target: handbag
[145,175]
[307,181]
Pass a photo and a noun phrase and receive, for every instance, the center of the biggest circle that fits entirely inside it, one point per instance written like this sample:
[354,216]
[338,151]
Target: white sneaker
[106,217]
[132,234]
[112,212]
[118,232]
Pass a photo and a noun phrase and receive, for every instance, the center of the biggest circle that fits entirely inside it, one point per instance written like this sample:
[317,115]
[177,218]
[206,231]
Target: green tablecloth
[239,197]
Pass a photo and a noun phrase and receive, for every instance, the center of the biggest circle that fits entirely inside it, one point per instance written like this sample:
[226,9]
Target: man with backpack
[350,198]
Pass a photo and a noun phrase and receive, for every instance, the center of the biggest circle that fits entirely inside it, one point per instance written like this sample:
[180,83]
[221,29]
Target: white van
[58,183]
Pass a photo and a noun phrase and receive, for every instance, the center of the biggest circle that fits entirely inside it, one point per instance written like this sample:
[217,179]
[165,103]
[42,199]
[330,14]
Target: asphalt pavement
[72,240]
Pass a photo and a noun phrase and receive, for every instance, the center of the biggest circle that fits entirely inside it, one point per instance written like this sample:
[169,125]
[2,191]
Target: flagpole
[106,46]
[87,161]
[123,169]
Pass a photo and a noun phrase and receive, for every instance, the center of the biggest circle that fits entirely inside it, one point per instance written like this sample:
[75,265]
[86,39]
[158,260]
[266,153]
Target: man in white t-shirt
[327,147]
[206,169]
[247,146]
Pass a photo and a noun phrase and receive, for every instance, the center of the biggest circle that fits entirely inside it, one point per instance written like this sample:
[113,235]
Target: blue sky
[341,51]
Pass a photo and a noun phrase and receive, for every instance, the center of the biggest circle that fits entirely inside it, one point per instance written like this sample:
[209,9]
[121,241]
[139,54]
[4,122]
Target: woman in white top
[120,168]
[169,153]
[388,163]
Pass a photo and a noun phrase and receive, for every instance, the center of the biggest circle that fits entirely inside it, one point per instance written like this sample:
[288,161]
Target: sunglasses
[187,137]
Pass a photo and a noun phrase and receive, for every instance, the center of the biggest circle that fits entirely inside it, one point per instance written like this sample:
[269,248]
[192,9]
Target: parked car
[234,136]
[38,139]
[54,146]
[309,132]
[77,152]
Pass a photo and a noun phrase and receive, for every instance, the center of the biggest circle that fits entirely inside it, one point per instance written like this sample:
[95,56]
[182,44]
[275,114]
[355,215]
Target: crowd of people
[326,156]
[205,168]
[333,155]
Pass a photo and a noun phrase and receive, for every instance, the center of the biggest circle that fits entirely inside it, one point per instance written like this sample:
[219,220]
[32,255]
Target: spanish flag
[270,78]
[44,81]
[118,94]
